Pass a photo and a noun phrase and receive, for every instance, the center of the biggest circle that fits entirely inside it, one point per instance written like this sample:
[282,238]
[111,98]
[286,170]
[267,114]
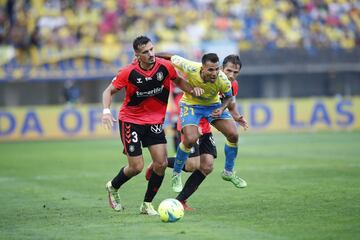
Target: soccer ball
[171,210]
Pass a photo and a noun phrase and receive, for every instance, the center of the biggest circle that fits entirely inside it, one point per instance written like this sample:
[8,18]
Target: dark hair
[141,40]
[234,59]
[210,57]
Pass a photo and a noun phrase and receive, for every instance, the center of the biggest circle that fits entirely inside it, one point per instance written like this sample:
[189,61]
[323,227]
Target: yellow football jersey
[191,71]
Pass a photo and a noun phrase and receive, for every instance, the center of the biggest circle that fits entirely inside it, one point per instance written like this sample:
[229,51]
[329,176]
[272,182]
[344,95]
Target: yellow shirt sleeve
[225,85]
[184,65]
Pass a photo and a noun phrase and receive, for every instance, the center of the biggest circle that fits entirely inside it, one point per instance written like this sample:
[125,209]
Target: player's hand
[242,121]
[107,120]
[217,113]
[197,92]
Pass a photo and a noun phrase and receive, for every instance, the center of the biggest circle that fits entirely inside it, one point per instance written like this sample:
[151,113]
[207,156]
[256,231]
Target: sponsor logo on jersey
[150,93]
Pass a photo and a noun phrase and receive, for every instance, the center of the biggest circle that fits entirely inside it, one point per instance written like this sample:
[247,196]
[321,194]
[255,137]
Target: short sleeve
[183,64]
[225,85]
[121,79]
[172,72]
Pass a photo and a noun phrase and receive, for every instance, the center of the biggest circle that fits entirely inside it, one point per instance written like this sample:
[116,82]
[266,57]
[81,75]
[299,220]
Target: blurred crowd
[31,26]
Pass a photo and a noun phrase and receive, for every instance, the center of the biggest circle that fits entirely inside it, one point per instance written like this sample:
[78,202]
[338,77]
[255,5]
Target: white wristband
[106,111]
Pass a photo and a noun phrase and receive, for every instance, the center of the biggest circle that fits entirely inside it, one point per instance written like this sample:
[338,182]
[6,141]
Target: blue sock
[230,150]
[182,155]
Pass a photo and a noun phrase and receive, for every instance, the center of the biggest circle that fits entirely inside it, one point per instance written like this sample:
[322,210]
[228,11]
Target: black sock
[153,186]
[120,179]
[171,161]
[191,185]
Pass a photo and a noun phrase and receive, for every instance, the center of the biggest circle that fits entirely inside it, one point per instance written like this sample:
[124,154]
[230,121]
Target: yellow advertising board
[307,114]
[62,122]
[53,122]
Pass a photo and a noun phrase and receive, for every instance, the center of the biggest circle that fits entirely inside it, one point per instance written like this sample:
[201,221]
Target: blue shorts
[192,114]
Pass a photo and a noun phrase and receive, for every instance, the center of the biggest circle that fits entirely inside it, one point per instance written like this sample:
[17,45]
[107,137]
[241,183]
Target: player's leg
[156,143]
[192,163]
[195,179]
[189,117]
[135,164]
[188,186]
[208,153]
[228,128]
[191,135]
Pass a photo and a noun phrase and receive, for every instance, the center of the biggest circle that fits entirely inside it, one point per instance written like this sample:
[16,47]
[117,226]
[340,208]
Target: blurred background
[301,59]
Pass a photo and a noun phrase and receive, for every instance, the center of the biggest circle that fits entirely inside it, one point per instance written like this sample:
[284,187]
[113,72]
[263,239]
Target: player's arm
[236,115]
[183,64]
[186,87]
[226,92]
[232,109]
[225,103]
[166,56]
[180,82]
[107,118]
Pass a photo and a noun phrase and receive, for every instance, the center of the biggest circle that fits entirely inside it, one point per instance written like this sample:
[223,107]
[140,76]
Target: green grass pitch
[300,186]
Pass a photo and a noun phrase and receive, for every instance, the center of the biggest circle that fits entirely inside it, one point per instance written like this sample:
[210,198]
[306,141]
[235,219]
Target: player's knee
[159,167]
[163,164]
[233,137]
[134,171]
[191,166]
[190,141]
[136,168]
[207,168]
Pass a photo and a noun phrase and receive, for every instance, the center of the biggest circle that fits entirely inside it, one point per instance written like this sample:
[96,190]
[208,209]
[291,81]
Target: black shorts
[135,136]
[205,144]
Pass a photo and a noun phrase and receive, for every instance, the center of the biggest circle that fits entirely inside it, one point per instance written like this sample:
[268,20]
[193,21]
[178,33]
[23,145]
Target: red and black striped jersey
[146,91]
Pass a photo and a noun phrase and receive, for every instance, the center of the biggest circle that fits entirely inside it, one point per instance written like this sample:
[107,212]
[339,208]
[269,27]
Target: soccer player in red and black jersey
[147,83]
[231,67]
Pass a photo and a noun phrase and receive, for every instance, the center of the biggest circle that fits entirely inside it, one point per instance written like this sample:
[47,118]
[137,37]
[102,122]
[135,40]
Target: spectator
[71,92]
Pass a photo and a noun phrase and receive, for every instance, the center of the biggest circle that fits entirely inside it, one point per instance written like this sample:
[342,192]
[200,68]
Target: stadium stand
[32,27]
[47,40]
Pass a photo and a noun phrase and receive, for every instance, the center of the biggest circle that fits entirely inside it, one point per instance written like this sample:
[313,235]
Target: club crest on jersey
[159,76]
[156,128]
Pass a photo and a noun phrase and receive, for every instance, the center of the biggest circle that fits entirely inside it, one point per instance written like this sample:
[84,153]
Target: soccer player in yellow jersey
[205,75]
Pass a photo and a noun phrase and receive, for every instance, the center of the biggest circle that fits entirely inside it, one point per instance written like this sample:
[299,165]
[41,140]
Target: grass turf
[300,186]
